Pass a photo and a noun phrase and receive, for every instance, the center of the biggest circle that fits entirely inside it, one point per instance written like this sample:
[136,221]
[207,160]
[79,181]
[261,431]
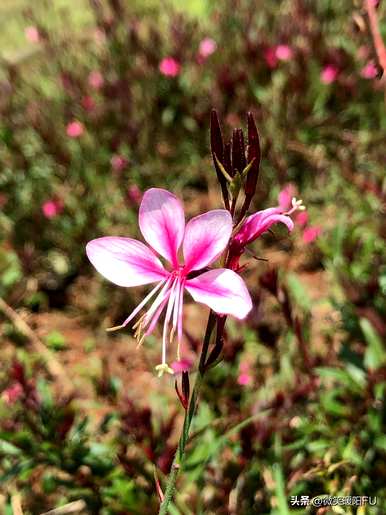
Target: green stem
[189,414]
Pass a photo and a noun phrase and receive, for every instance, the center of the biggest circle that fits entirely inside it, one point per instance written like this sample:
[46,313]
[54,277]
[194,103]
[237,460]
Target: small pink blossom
[311,233]
[329,74]
[128,262]
[301,218]
[270,57]
[184,365]
[244,378]
[32,34]
[286,195]
[134,194]
[52,208]
[207,47]
[74,129]
[12,394]
[88,103]
[96,80]
[170,67]
[369,71]
[118,163]
[284,52]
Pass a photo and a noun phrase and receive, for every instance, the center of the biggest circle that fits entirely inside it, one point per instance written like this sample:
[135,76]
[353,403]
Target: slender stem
[189,414]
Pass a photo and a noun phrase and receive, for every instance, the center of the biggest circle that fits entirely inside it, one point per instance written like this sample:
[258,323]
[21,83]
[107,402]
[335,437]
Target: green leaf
[55,340]
[280,489]
[375,355]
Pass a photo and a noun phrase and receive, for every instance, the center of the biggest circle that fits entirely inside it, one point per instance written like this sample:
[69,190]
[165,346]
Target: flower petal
[223,291]
[260,222]
[124,261]
[162,222]
[206,236]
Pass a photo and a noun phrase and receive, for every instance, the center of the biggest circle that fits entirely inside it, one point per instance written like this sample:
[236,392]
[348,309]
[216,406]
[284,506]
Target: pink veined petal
[260,222]
[162,222]
[124,261]
[206,236]
[223,291]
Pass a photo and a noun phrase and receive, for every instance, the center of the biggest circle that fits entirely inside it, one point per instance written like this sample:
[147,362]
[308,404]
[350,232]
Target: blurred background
[102,99]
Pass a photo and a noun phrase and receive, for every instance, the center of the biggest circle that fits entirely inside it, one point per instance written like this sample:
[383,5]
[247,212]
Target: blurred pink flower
[184,365]
[128,262]
[369,71]
[32,34]
[207,47]
[301,218]
[118,163]
[134,194]
[329,74]
[270,57]
[52,208]
[244,378]
[311,233]
[284,53]
[74,129]
[88,103]
[170,67]
[95,79]
[12,394]
[286,195]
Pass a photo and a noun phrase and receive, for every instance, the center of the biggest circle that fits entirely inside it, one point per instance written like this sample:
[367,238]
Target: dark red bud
[185,386]
[217,148]
[228,159]
[254,154]
[238,151]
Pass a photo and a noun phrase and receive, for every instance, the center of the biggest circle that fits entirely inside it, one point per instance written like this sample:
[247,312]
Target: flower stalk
[189,414]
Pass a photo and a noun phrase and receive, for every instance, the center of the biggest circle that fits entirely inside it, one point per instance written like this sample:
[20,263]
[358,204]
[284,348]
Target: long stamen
[180,309]
[138,308]
[168,315]
[297,205]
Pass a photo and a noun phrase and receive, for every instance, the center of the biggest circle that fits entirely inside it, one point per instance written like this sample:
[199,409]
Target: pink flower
[244,378]
[170,67]
[329,74]
[74,129]
[207,47]
[95,79]
[270,57]
[369,71]
[284,52]
[311,233]
[118,163]
[286,195]
[52,208]
[302,218]
[32,34]
[88,103]
[258,223]
[12,394]
[181,366]
[134,194]
[128,262]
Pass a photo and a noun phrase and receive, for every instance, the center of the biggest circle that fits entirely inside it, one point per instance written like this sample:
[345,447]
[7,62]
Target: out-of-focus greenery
[311,419]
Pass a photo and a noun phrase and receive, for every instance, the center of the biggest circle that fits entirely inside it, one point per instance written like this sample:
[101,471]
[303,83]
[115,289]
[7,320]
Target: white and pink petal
[223,291]
[162,222]
[125,261]
[206,237]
